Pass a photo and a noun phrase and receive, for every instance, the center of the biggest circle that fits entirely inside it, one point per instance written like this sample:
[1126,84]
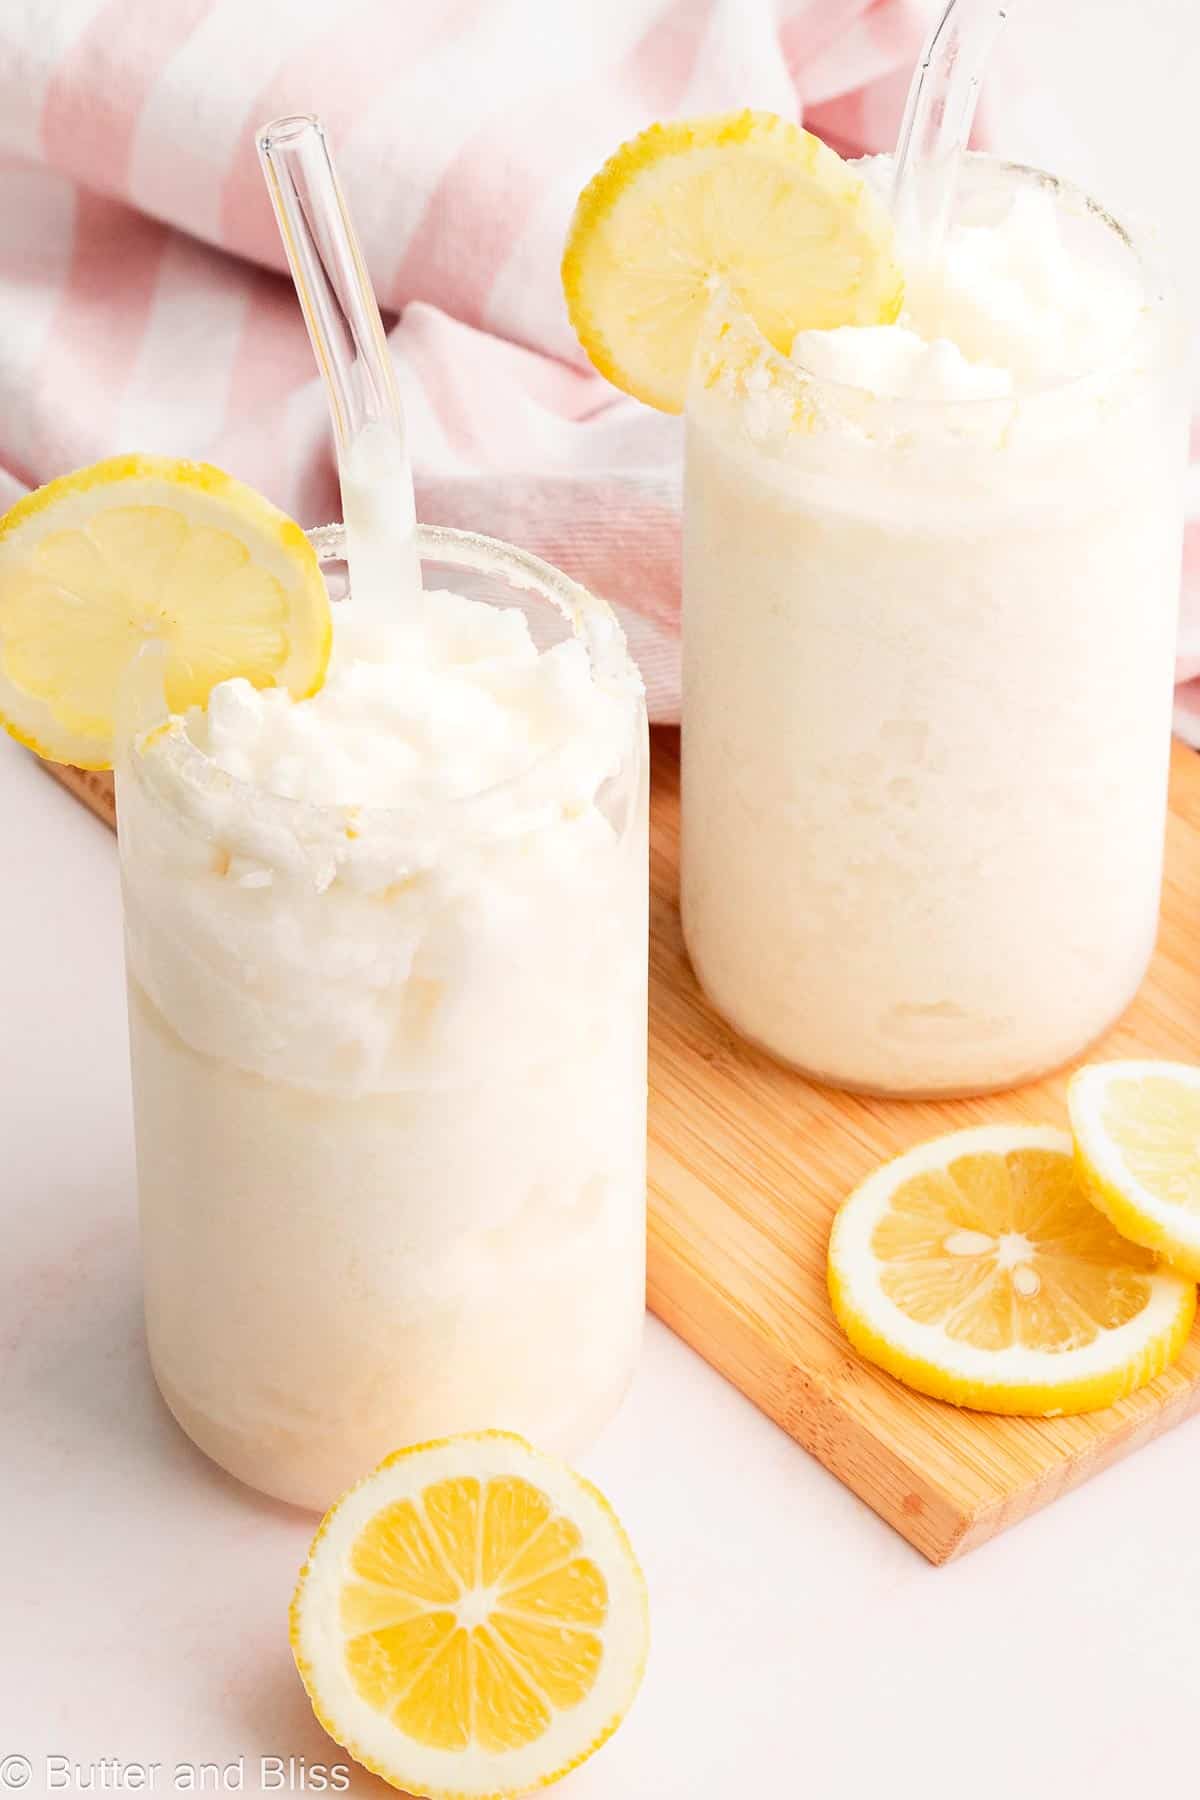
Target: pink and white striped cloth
[142,304]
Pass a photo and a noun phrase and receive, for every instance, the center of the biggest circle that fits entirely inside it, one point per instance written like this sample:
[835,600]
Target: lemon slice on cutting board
[1137,1141]
[744,199]
[976,1269]
[471,1620]
[138,548]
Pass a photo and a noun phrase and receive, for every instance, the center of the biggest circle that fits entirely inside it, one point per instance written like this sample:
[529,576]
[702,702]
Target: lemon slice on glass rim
[471,1621]
[142,548]
[747,200]
[976,1270]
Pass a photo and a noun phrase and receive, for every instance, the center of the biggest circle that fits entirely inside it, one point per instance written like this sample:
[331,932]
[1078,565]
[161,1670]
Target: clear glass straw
[346,330]
[938,115]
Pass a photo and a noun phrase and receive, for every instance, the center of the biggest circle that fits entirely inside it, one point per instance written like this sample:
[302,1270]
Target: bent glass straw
[347,337]
[938,115]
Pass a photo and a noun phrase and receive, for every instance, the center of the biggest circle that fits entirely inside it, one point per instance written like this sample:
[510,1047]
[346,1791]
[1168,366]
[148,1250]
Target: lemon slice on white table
[471,1620]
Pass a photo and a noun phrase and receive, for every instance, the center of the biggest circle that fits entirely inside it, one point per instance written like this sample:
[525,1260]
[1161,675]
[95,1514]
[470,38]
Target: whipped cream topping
[1015,293]
[422,709]
[1008,307]
[299,871]
[896,362]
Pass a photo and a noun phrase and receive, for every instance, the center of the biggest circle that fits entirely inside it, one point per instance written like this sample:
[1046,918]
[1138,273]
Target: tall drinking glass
[389,1076]
[928,657]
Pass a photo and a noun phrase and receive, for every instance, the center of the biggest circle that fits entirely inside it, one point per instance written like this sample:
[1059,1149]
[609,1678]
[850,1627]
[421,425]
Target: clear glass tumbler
[928,658]
[389,1079]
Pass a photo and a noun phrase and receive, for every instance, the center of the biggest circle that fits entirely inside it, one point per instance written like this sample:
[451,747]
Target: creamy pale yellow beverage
[387,963]
[384,872]
[930,581]
[932,525]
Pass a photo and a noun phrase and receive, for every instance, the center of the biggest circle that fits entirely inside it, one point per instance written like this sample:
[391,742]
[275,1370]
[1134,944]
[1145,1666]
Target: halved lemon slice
[1137,1140]
[143,547]
[471,1620]
[744,199]
[975,1269]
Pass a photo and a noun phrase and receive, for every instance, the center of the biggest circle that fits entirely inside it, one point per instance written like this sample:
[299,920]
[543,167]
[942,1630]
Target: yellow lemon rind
[1023,1400]
[1118,1194]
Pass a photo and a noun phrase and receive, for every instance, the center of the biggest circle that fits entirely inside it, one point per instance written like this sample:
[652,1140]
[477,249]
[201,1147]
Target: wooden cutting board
[747,1163]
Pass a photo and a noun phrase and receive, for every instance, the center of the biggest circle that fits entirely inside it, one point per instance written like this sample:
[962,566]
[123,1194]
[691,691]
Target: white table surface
[800,1647]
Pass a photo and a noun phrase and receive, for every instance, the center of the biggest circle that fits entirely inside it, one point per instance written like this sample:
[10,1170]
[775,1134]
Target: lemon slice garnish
[471,1620]
[746,200]
[138,548]
[1137,1139]
[976,1269]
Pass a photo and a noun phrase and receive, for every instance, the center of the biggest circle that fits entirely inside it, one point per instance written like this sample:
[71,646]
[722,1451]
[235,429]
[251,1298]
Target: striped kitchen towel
[142,304]
[142,300]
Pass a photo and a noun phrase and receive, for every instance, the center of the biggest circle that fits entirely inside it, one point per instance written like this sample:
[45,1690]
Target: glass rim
[182,766]
[591,618]
[1157,298]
